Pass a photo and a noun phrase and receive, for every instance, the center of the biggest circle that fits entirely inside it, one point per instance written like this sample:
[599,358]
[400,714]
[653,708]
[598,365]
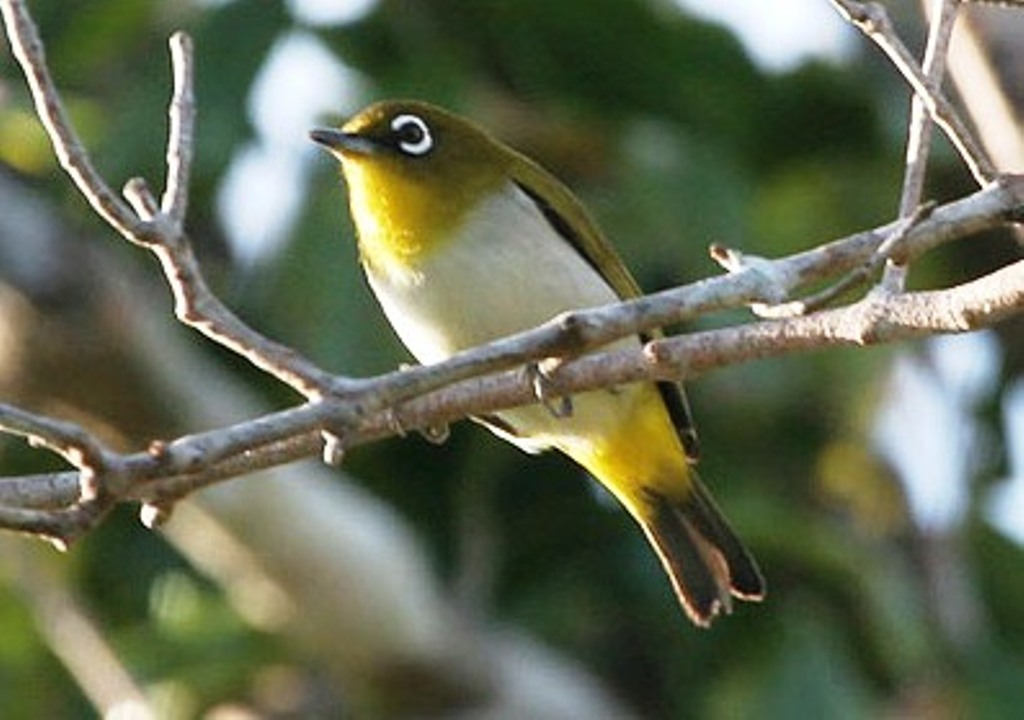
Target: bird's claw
[545,390]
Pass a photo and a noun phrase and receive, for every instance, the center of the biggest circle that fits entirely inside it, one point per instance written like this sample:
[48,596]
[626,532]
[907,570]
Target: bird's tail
[706,562]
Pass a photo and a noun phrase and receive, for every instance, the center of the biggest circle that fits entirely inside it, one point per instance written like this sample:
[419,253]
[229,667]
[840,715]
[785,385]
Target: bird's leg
[545,388]
[436,434]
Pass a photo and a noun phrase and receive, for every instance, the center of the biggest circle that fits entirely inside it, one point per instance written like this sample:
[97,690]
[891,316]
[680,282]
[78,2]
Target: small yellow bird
[463,241]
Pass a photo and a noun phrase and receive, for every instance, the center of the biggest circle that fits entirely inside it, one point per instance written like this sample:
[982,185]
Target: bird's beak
[343,143]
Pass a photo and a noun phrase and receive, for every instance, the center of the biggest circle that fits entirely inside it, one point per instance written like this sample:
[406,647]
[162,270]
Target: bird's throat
[398,223]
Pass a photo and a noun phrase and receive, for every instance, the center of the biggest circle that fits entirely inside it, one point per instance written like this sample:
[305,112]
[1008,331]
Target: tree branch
[872,19]
[170,470]
[62,506]
[143,221]
[27,48]
[178,468]
[919,132]
[181,129]
[920,127]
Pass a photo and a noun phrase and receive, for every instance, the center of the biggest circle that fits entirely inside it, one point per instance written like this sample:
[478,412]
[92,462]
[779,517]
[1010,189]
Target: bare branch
[28,50]
[60,526]
[474,382]
[44,491]
[873,20]
[67,439]
[181,115]
[877,319]
[64,506]
[168,471]
[919,132]
[890,247]
[862,253]
[208,457]
[150,226]
[920,127]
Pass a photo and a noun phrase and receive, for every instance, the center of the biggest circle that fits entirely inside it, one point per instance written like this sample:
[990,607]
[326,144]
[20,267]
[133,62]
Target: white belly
[508,271]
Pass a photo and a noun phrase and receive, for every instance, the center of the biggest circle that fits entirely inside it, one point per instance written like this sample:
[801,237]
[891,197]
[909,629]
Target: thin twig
[856,253]
[150,226]
[61,526]
[919,130]
[873,20]
[871,321]
[891,246]
[181,131]
[47,491]
[198,307]
[69,440]
[27,48]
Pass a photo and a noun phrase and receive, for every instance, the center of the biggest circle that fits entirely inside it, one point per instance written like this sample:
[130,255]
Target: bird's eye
[412,134]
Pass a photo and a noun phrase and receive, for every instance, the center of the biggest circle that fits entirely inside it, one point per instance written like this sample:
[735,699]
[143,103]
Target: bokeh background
[882,489]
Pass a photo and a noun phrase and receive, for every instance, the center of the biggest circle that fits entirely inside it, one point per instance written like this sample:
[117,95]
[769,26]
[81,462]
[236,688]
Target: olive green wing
[572,221]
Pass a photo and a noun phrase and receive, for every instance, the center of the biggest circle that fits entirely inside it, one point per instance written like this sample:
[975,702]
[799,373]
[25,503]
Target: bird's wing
[571,221]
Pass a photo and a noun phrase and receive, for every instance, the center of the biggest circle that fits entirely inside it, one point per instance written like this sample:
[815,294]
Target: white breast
[508,271]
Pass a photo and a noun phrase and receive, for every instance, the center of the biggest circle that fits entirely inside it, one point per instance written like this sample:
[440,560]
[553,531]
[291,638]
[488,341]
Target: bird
[464,240]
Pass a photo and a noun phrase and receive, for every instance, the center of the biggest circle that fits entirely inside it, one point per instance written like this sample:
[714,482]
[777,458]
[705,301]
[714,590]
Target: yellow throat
[399,207]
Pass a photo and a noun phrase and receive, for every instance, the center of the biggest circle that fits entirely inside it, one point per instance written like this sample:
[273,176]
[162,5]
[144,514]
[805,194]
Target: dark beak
[341,142]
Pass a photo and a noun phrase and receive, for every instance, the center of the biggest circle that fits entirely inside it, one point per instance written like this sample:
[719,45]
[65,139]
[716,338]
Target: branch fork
[339,412]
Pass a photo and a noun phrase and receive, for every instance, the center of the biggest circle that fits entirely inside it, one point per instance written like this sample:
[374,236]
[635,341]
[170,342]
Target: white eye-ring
[413,134]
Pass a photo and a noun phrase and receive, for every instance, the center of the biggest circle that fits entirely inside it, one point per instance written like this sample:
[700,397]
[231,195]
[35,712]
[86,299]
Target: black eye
[412,134]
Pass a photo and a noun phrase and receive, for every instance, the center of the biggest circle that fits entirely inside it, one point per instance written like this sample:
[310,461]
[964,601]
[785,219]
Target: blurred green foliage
[675,139]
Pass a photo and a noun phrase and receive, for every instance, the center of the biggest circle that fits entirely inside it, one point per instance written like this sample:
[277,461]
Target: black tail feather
[707,563]
[746,581]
